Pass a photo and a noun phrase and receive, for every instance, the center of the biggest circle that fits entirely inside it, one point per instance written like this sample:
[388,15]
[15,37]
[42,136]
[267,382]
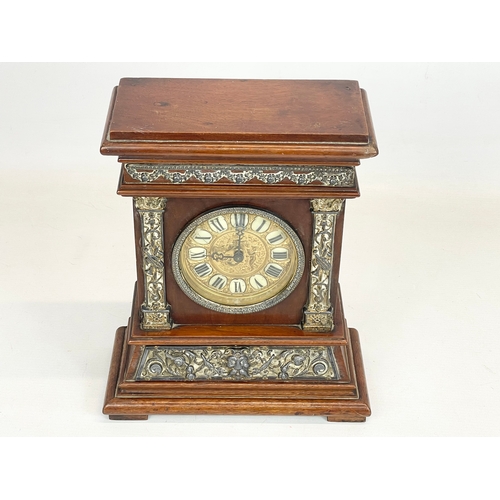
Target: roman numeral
[197,253]
[279,254]
[258,281]
[237,286]
[202,236]
[218,225]
[202,269]
[200,255]
[239,220]
[275,239]
[260,225]
[218,281]
[273,270]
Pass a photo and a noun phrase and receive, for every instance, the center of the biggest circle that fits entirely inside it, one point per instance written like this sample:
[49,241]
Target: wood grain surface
[246,120]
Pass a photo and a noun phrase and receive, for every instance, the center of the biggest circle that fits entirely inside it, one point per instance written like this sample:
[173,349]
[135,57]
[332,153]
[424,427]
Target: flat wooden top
[264,110]
[171,111]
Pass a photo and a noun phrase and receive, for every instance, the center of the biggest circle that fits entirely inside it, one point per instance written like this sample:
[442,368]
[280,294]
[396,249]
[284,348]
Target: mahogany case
[285,146]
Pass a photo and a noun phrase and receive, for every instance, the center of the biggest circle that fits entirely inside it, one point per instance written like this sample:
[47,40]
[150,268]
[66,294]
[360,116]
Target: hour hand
[221,256]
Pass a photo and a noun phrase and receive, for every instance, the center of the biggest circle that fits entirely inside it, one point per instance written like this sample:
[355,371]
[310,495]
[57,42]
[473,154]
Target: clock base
[333,402]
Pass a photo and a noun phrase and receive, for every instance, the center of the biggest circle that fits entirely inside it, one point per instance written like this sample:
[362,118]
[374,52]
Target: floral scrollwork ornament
[243,363]
[318,314]
[155,311]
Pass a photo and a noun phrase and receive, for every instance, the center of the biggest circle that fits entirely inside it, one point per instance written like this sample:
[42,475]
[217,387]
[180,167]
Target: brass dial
[238,260]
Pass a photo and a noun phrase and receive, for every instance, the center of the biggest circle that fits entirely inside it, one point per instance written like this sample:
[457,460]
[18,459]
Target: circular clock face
[238,260]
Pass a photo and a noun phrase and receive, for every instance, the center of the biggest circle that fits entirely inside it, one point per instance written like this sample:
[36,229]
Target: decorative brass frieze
[240,174]
[155,311]
[318,314]
[237,363]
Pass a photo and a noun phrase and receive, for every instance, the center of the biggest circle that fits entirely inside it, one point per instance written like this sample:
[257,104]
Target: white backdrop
[419,275]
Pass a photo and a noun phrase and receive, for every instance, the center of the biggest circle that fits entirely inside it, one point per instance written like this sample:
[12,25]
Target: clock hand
[221,256]
[237,257]
[238,253]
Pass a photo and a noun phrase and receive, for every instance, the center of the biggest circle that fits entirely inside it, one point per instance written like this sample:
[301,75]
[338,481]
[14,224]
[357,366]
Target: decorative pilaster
[155,311]
[318,313]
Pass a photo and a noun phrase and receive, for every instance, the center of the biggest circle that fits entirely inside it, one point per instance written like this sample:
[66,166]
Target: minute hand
[238,254]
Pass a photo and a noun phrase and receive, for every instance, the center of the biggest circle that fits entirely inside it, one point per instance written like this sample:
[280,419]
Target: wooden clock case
[189,146]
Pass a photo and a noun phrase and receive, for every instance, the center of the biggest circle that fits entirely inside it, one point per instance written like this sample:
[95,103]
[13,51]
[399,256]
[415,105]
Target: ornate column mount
[318,313]
[155,311]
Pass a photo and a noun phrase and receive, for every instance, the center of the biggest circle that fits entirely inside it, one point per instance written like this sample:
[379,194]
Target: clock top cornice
[205,120]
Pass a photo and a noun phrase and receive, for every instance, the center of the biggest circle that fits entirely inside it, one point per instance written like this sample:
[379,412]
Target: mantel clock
[238,190]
